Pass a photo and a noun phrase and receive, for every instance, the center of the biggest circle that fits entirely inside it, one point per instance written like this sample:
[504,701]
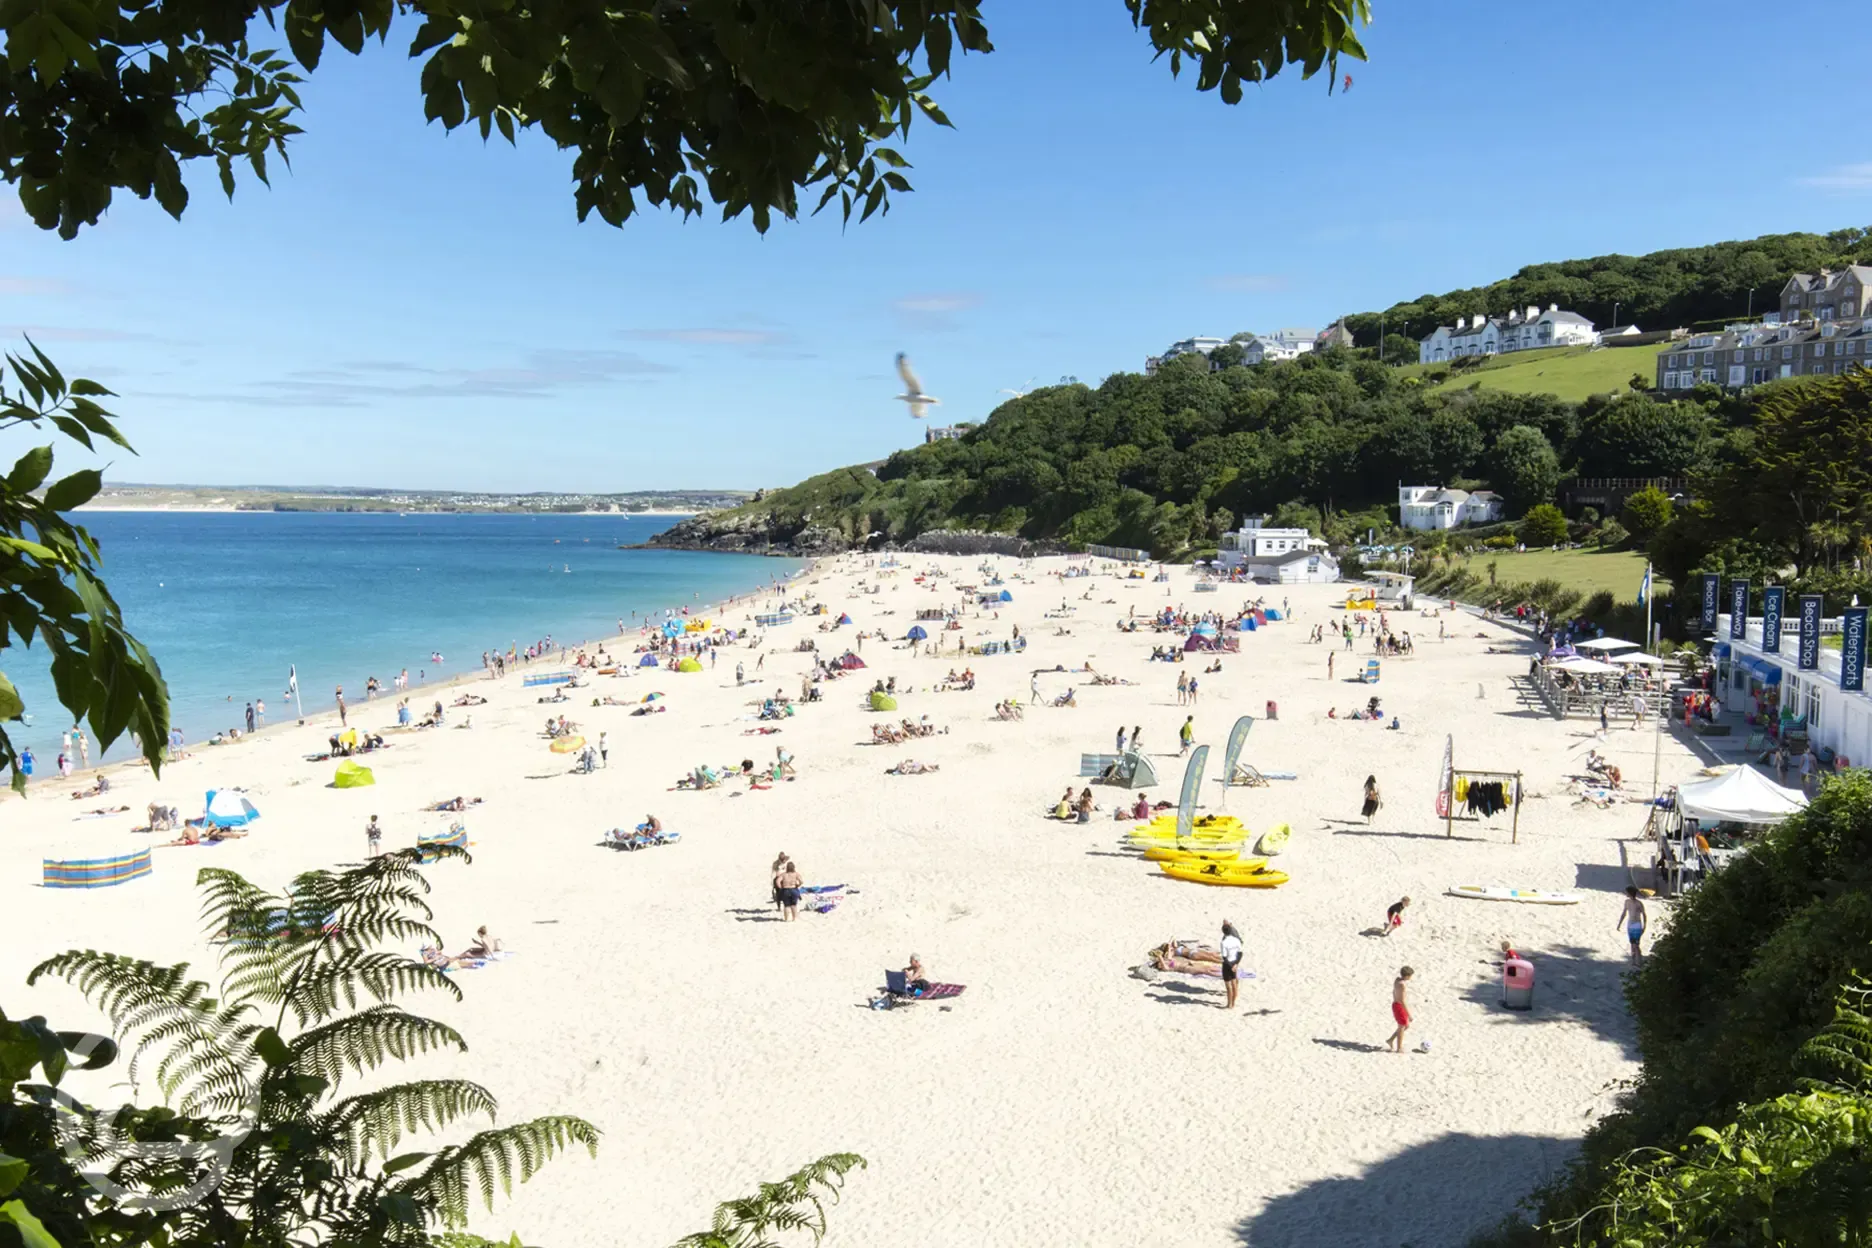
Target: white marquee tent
[1606,643]
[1742,795]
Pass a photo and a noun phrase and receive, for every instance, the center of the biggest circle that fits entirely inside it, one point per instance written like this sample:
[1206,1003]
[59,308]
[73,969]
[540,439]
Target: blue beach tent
[917,633]
[648,660]
[227,808]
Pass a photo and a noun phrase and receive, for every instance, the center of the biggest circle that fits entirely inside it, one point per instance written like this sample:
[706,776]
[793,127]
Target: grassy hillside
[1588,571]
[1570,373]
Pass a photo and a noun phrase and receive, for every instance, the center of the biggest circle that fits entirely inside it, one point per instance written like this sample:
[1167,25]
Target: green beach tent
[882,701]
[352,776]
[688,665]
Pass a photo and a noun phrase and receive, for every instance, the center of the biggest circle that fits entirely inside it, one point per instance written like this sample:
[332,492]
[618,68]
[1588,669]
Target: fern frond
[151,1006]
[327,986]
[489,1160]
[368,1039]
[374,1123]
[1841,1055]
[793,1204]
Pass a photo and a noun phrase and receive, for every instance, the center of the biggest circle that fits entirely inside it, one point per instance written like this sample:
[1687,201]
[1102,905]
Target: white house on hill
[1520,330]
[1433,507]
[1290,556]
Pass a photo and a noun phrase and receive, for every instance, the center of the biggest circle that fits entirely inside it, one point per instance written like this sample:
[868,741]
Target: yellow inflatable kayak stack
[1244,873]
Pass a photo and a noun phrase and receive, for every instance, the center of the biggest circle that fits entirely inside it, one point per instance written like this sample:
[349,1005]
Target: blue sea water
[228,602]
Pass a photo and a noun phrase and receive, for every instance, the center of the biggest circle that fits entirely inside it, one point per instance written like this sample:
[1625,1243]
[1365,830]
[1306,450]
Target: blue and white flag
[1644,587]
[292,681]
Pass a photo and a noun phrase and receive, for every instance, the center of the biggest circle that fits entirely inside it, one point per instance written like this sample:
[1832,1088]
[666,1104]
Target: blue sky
[411,308]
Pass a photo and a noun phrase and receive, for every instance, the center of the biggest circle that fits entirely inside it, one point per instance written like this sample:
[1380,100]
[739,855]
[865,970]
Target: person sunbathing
[471,699]
[655,708]
[434,958]
[910,767]
[97,789]
[106,810]
[457,803]
[482,946]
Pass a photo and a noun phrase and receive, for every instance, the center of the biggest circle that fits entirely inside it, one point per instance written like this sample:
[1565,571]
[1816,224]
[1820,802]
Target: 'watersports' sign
[1712,599]
[1809,632]
[1738,609]
[1773,599]
[1852,653]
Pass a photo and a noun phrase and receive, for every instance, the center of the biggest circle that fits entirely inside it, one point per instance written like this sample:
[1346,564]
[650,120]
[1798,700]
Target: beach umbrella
[916,633]
[568,745]
[1639,657]
[1608,643]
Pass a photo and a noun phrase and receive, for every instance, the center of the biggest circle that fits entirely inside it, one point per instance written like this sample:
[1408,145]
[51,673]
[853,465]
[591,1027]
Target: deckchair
[1254,777]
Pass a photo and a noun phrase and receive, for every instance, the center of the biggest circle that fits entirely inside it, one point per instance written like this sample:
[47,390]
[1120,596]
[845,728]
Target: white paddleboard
[1501,892]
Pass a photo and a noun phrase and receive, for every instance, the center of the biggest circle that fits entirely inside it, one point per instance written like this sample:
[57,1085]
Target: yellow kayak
[1195,853]
[1169,820]
[1235,874]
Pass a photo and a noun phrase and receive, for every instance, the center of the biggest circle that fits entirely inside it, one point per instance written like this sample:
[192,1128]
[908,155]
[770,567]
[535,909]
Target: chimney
[1533,313]
[1461,322]
[1553,307]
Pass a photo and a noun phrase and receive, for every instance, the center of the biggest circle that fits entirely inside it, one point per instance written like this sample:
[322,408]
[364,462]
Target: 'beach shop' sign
[1852,652]
[1712,600]
[1772,599]
[1738,609]
[1809,632]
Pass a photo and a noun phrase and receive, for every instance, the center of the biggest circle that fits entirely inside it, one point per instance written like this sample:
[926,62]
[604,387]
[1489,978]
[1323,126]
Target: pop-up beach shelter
[351,775]
[227,808]
[648,660]
[688,665]
[1006,597]
[917,633]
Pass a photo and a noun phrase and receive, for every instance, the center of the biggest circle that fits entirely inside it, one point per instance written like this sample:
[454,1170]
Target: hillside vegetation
[1661,290]
[1171,461]
[1571,373]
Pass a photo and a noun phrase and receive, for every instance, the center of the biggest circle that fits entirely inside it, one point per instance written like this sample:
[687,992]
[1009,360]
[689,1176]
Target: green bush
[1647,511]
[1501,541]
[1543,525]
[1612,535]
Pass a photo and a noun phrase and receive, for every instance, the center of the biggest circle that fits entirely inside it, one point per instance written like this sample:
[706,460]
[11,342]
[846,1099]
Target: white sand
[1059,1100]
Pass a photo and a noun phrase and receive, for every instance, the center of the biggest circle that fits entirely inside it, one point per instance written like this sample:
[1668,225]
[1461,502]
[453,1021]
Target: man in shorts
[1400,1009]
[1231,962]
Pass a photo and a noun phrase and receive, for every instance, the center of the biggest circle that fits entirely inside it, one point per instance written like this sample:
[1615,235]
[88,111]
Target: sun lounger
[1249,774]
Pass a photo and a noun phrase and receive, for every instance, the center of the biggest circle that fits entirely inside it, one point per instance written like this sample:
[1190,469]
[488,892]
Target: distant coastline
[230,509]
[209,499]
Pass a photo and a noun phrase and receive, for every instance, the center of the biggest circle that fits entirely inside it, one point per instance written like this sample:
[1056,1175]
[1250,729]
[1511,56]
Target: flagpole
[1657,729]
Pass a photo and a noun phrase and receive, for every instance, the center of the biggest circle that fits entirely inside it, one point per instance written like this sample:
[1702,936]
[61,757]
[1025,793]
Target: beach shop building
[1277,556]
[1770,687]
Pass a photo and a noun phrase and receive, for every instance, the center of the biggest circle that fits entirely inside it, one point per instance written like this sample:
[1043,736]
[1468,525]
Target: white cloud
[1842,178]
[711,337]
[1245,283]
[937,305]
[34,286]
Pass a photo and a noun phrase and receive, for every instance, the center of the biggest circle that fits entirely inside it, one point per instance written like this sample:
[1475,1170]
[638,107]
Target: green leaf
[12,1174]
[11,705]
[74,491]
[393,1166]
[30,472]
[31,1230]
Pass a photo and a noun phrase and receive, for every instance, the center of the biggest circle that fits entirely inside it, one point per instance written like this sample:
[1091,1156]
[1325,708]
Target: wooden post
[1449,810]
[1515,836]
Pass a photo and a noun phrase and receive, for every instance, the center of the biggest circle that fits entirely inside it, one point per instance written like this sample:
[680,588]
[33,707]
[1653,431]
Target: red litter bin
[1517,984]
[1273,710]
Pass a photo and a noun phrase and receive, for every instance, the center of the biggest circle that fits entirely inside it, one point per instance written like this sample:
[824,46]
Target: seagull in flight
[919,402]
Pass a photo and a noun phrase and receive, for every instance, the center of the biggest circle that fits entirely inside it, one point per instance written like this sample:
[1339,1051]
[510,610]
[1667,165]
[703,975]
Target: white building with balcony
[1283,556]
[1429,507]
[1520,330]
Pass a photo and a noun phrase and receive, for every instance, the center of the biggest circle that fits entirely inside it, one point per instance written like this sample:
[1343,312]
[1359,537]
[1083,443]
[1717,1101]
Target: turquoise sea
[228,602]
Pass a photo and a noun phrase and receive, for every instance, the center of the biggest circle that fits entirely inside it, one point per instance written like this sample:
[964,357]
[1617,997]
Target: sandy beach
[1059,1099]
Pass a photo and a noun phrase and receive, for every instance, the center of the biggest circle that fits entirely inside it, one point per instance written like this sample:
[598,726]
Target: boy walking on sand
[1400,1009]
[1187,734]
[1633,919]
[1394,915]
[373,837]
